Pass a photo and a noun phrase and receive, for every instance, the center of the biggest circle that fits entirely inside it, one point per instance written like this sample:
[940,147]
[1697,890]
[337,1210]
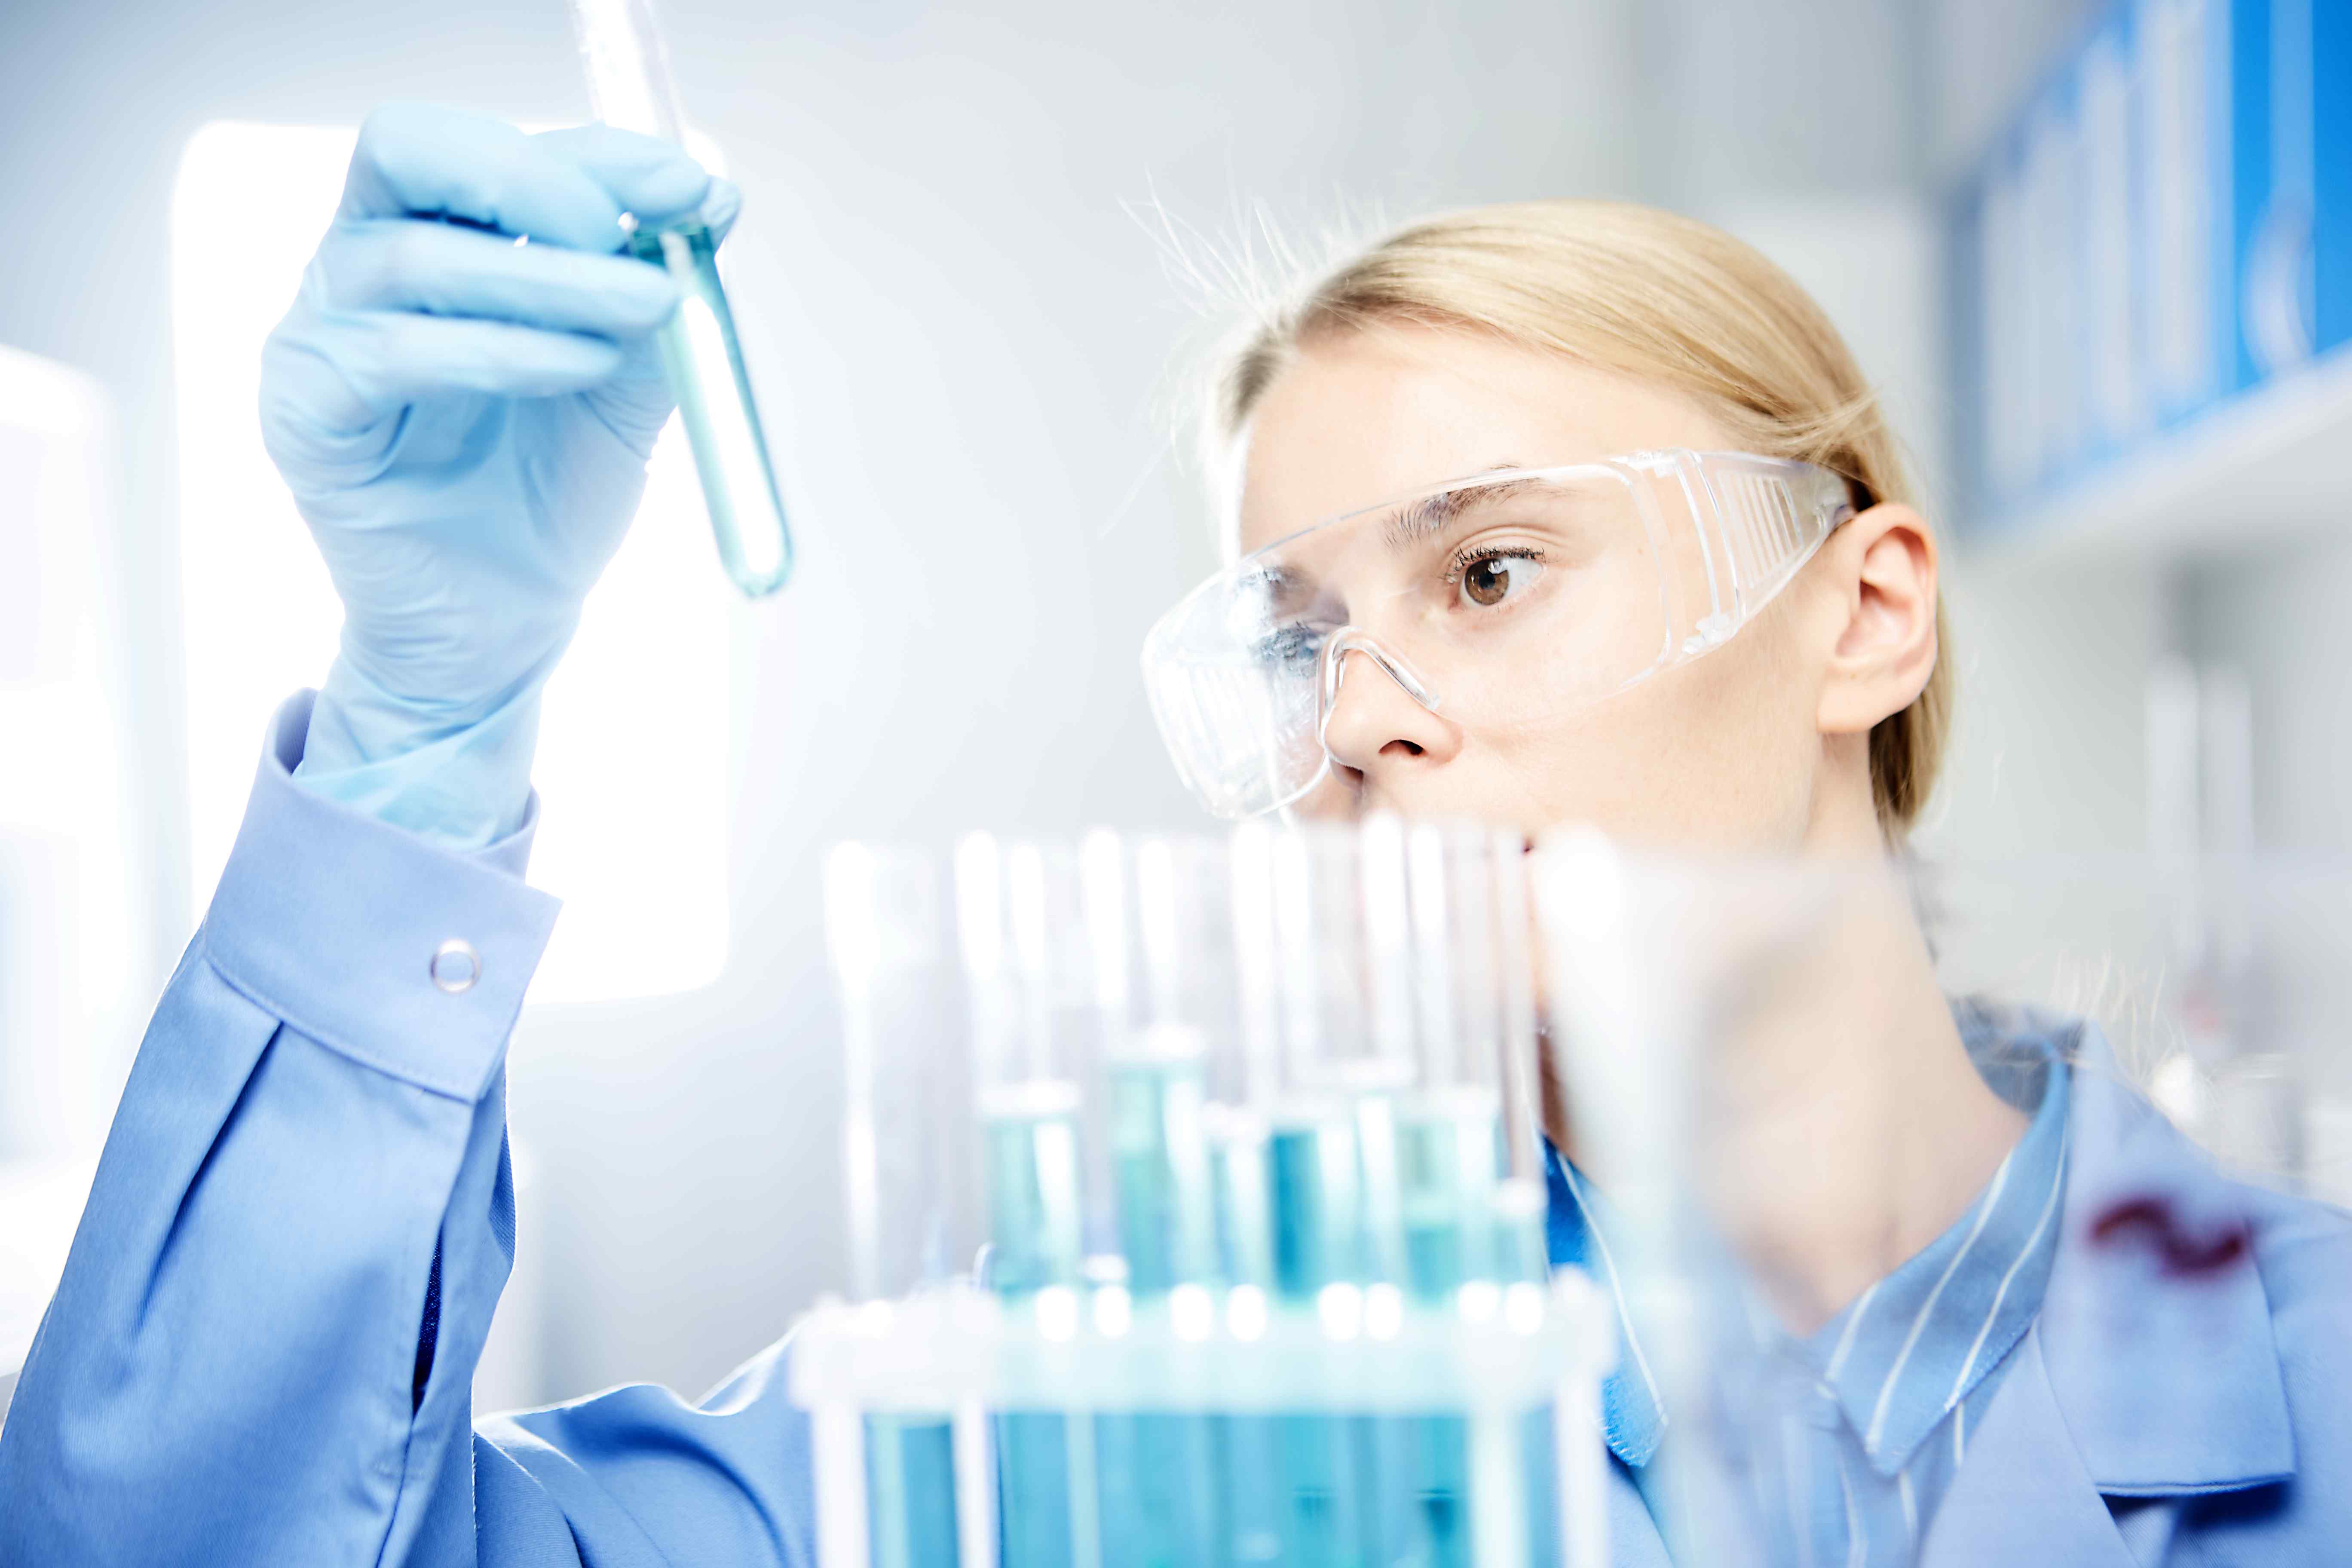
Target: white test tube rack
[960,1353]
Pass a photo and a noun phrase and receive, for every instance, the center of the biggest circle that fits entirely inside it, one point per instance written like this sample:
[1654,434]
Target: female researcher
[262,1347]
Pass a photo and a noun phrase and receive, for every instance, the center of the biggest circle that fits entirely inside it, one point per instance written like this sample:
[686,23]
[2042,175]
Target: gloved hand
[462,399]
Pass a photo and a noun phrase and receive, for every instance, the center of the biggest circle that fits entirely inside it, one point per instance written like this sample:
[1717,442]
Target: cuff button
[455,966]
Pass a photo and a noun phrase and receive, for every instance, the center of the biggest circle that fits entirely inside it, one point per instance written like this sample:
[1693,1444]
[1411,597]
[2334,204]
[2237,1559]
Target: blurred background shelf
[2265,468]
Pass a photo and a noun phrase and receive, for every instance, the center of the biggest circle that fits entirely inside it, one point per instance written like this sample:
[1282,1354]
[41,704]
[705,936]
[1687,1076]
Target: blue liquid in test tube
[910,1492]
[1160,1163]
[1164,1512]
[1252,1500]
[878,937]
[703,360]
[628,65]
[1447,1151]
[1313,1183]
[1029,1138]
[1030,1146]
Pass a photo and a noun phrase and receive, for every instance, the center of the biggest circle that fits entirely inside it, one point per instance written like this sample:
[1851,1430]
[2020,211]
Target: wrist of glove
[459,775]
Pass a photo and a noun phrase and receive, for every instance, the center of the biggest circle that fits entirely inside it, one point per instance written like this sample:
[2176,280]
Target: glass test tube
[1029,1111]
[629,85]
[1237,1129]
[1253,1489]
[1314,1175]
[1158,1082]
[880,920]
[1313,1188]
[1441,1127]
[1028,1108]
[1521,1201]
[1160,1504]
[1450,1131]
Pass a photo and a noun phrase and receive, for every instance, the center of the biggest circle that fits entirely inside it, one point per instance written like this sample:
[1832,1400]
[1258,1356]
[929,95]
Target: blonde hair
[1644,293]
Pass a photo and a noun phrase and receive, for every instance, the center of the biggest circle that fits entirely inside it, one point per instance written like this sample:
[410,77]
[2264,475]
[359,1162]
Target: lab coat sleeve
[261,1347]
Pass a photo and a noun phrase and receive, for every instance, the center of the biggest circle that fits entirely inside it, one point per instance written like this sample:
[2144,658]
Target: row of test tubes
[1177,1080]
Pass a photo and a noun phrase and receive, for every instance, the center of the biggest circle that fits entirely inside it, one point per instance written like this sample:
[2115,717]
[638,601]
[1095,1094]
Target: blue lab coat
[262,1348]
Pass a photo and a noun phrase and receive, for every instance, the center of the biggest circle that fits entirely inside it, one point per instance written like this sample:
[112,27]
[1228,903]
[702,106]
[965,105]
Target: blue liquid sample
[1250,1488]
[1448,1159]
[1384,1444]
[1237,1189]
[1159,1167]
[910,1492]
[1160,1506]
[1029,1143]
[1247,1448]
[703,361]
[1038,1473]
[1439,1471]
[1314,1183]
[1312,1186]
[1029,1150]
[1538,1474]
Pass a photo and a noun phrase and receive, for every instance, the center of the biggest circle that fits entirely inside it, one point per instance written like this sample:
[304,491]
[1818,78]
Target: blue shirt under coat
[236,1368]
[1847,1439]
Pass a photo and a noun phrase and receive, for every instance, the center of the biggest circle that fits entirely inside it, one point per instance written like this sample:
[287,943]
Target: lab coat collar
[1972,1294]
[2024,1495]
[2152,1368]
[2155,1328]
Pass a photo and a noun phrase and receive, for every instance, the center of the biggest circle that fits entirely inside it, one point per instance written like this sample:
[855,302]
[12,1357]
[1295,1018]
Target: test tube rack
[960,1353]
[1224,1160]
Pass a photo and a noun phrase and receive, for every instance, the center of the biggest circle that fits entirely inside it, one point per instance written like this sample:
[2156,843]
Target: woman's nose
[1374,726]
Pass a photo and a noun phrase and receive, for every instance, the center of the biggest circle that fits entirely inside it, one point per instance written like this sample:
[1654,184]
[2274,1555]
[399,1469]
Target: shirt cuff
[400,954]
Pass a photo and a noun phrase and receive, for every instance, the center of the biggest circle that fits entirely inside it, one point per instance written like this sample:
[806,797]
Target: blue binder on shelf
[2165,226]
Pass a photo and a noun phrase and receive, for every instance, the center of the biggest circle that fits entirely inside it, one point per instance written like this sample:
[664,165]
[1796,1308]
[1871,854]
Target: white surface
[634,727]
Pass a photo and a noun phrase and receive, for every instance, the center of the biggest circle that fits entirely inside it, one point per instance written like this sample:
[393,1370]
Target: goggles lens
[1510,599]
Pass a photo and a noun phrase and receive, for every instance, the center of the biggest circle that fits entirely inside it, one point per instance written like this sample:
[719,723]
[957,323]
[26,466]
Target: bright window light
[633,832]
[70,905]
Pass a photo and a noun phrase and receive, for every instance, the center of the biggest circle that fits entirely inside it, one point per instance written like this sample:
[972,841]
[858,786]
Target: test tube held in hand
[629,84]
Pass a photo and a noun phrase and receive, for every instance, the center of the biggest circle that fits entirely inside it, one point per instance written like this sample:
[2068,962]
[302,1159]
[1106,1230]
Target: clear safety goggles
[1510,598]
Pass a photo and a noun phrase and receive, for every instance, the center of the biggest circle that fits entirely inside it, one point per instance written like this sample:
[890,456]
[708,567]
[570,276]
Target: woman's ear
[1882,569]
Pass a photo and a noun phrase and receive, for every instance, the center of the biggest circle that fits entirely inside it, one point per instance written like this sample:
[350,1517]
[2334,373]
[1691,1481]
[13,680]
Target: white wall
[2280,619]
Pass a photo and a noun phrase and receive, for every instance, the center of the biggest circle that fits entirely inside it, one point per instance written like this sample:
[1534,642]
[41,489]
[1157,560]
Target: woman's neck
[1845,1133]
[1836,1124]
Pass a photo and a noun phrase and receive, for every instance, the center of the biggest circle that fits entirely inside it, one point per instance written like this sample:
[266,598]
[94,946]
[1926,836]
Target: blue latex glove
[463,421]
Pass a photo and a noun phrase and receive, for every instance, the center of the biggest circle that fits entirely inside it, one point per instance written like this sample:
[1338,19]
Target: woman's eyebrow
[1419,520]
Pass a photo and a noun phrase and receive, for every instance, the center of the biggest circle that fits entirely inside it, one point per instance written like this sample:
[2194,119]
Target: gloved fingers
[351,369]
[416,160]
[441,270]
[653,179]
[721,207]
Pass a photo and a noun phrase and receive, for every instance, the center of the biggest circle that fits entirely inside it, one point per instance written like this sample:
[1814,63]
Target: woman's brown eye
[1489,582]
